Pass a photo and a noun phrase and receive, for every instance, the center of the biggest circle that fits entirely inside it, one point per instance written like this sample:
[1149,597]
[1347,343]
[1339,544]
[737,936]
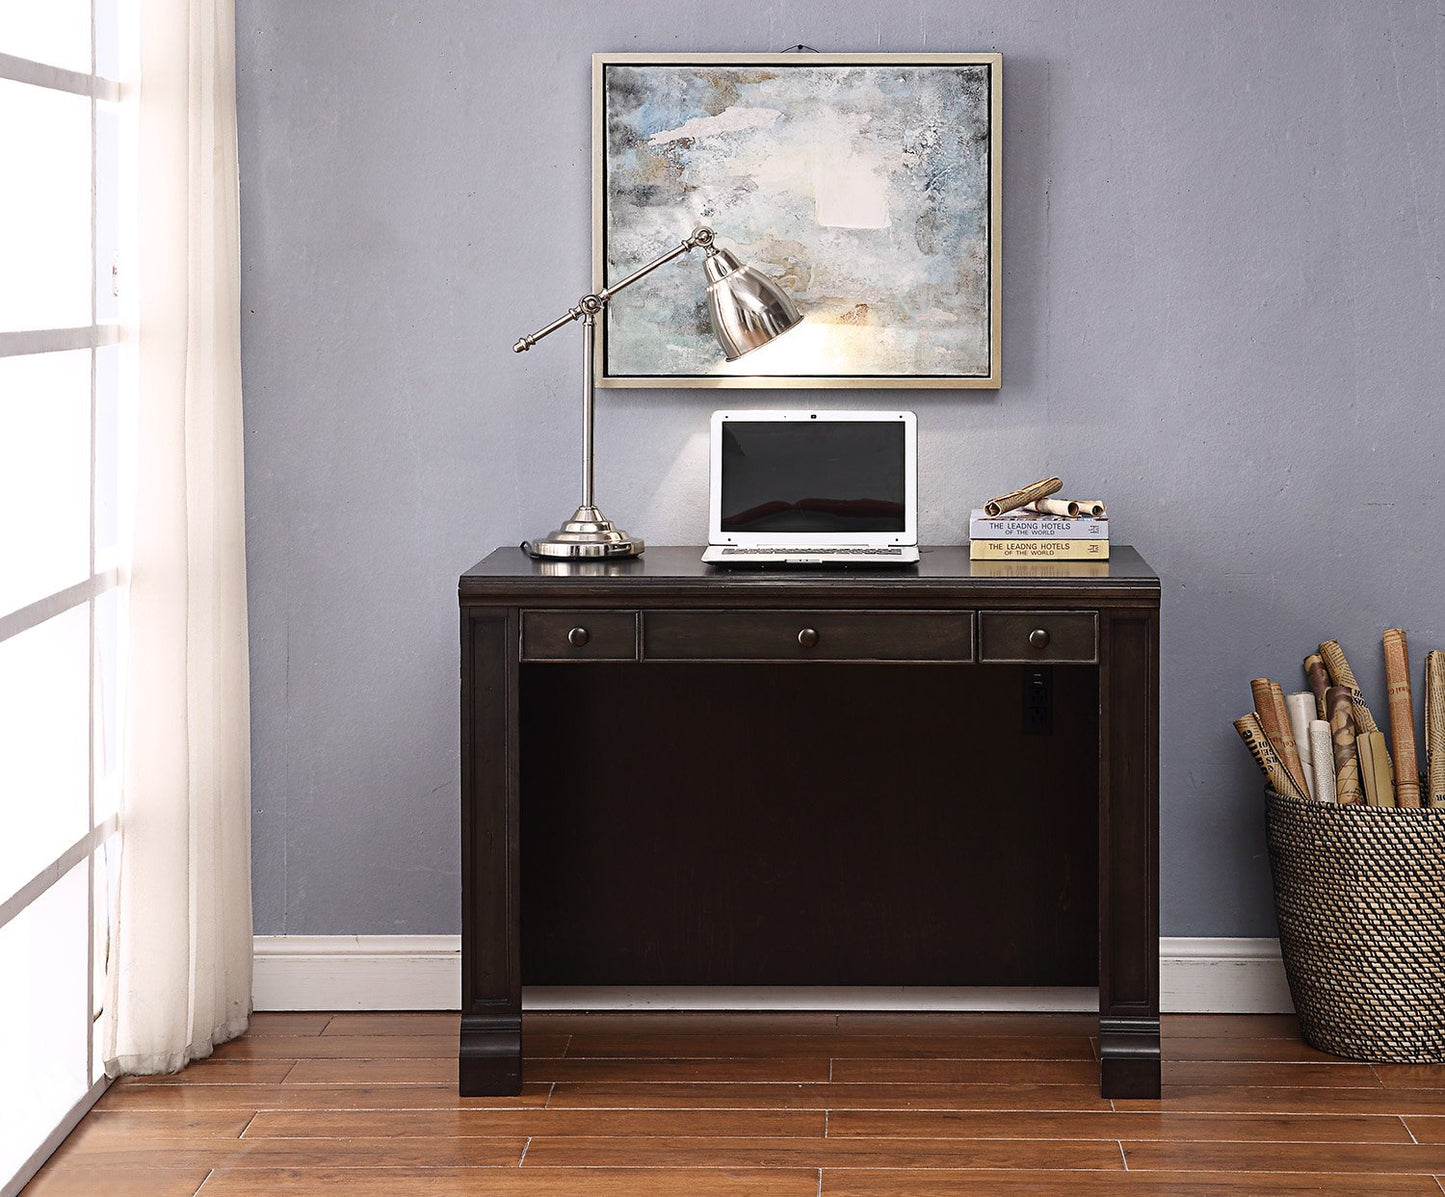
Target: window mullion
[56,869]
[90,929]
[58,340]
[41,74]
[34,614]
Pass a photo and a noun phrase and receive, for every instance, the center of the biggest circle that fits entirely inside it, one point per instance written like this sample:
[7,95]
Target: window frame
[107,571]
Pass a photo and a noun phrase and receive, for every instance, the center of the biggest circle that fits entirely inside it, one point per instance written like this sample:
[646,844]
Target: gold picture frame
[870,185]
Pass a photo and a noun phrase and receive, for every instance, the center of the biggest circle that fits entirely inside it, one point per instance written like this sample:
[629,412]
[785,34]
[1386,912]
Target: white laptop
[813,488]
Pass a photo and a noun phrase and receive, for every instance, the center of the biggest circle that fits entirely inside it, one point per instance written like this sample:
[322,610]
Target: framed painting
[867,184]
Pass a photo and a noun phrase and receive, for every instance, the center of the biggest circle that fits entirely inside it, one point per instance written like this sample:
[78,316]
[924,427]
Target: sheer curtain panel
[180,976]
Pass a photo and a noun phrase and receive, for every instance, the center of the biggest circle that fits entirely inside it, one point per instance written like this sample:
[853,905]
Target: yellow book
[1029,549]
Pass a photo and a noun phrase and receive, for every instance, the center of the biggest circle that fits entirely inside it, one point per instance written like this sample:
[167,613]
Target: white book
[1030,525]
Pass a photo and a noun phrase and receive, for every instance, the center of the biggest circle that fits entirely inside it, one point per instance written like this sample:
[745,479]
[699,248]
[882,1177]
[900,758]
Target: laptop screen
[818,476]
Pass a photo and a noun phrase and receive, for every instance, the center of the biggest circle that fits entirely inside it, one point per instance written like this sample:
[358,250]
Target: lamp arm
[589,305]
[701,237]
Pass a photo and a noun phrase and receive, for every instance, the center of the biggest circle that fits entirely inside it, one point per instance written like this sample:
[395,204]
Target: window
[64,385]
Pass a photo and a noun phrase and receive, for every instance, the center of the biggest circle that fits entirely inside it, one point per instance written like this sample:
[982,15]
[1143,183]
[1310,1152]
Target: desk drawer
[1057,636]
[808,635]
[579,635]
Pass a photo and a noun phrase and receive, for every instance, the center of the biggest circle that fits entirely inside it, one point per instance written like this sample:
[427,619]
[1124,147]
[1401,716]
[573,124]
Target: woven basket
[1360,894]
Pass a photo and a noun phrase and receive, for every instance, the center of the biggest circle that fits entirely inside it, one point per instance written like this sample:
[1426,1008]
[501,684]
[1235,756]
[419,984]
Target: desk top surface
[945,568]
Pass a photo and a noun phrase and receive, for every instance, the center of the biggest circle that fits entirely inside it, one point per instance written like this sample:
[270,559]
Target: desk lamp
[748,309]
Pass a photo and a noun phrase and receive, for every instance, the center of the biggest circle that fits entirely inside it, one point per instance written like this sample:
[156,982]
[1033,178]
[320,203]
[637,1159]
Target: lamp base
[588,534]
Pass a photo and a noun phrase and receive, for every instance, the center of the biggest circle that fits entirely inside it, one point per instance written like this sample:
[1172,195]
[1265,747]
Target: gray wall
[1222,311]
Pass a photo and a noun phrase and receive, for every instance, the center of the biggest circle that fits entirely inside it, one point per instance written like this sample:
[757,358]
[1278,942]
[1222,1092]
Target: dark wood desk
[943,775]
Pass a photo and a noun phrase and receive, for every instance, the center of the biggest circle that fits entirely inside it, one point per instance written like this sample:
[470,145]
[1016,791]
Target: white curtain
[179,977]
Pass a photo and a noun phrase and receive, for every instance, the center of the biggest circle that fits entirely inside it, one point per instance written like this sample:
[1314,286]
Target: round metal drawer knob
[1039,638]
[577,637]
[808,637]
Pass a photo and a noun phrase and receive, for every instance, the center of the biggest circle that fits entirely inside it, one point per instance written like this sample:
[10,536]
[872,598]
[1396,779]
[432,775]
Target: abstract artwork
[867,184]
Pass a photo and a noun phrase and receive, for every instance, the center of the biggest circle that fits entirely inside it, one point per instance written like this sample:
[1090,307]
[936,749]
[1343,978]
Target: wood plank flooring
[788,1105]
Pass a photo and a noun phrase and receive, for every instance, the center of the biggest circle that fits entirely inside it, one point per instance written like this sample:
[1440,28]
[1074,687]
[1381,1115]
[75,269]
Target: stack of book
[1023,535]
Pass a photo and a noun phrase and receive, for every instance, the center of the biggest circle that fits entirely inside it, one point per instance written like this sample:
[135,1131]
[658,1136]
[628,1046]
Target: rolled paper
[1290,754]
[1342,675]
[1322,755]
[1301,708]
[1402,718]
[1369,779]
[1269,706]
[1090,507]
[1365,756]
[1435,726]
[1265,756]
[1375,774]
[1319,681]
[1017,498]
[1263,703]
[1384,770]
[1065,507]
[1348,790]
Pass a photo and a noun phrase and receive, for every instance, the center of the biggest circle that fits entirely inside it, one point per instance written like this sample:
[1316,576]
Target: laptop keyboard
[844,551]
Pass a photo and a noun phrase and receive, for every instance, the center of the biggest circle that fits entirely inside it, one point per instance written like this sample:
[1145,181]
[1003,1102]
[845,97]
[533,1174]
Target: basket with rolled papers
[1287,734]
[1357,852]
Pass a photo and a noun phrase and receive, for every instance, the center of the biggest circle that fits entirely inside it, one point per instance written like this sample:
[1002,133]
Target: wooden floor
[777,1104]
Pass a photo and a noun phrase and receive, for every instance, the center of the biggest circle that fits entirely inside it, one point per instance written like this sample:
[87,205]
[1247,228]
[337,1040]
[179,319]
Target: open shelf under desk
[844,824]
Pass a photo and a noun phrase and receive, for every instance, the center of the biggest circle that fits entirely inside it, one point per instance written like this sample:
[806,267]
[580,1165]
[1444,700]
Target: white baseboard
[1222,976]
[357,972]
[423,972]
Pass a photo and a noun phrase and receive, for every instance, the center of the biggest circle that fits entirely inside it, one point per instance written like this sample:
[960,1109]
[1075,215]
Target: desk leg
[490,1056]
[1129,854]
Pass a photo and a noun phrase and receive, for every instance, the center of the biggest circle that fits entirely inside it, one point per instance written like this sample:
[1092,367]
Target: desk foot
[1128,1057]
[489,1063]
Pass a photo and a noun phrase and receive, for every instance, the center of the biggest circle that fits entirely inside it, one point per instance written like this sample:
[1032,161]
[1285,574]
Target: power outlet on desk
[1039,700]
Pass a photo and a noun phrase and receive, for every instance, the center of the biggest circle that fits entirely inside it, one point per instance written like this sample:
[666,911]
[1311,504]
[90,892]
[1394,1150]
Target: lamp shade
[748,308]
